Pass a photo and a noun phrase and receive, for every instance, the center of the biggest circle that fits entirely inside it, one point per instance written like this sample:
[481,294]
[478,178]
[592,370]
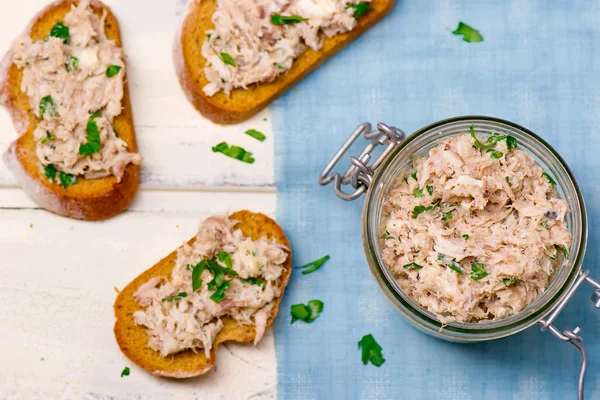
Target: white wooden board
[58,275]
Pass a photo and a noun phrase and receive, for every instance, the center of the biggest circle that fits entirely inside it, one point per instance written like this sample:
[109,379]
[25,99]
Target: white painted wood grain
[173,137]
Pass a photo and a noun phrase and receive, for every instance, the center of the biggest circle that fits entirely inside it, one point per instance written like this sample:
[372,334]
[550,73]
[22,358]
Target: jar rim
[485,330]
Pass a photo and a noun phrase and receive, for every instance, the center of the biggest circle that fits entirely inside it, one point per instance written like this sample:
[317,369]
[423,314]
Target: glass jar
[376,178]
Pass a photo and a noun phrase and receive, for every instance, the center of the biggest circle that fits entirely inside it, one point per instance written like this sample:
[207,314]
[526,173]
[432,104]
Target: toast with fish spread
[64,84]
[234,57]
[225,284]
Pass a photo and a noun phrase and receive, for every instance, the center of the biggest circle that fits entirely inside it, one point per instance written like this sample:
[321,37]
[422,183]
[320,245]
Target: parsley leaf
[50,171]
[315,307]
[412,265]
[49,136]
[256,281]
[73,64]
[92,136]
[314,265]
[47,106]
[447,215]
[225,259]
[197,271]
[429,189]
[550,180]
[256,134]
[227,59]
[278,19]
[112,70]
[454,267]
[125,372]
[234,152]
[421,209]
[386,236]
[414,176]
[419,193]
[469,34]
[465,236]
[177,297]
[370,351]
[494,154]
[477,271]
[511,143]
[563,250]
[509,282]
[299,311]
[359,9]
[507,179]
[219,295]
[60,31]
[66,180]
[307,313]
[545,225]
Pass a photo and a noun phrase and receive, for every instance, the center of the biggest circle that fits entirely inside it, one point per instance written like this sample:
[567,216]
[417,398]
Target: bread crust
[89,199]
[243,104]
[133,339]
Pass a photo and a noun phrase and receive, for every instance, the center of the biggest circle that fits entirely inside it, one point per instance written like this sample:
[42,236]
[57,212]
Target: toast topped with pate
[64,86]
[233,57]
[224,284]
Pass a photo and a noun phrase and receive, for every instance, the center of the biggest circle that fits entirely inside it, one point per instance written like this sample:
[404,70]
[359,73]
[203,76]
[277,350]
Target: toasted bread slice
[89,199]
[244,103]
[133,339]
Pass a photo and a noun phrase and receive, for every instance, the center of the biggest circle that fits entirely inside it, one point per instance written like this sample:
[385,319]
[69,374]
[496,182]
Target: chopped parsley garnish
[386,236]
[234,152]
[447,215]
[256,281]
[412,265]
[511,143]
[495,154]
[454,267]
[47,106]
[227,59]
[225,259]
[112,70]
[414,176]
[197,271]
[50,171]
[281,67]
[545,225]
[49,136]
[92,135]
[125,372]
[429,189]
[465,236]
[421,209]
[509,281]
[60,31]
[359,8]
[370,351]
[419,193]
[405,179]
[278,19]
[66,180]
[550,180]
[477,271]
[490,143]
[470,35]
[307,313]
[219,295]
[177,297]
[73,64]
[256,134]
[561,249]
[507,179]
[314,265]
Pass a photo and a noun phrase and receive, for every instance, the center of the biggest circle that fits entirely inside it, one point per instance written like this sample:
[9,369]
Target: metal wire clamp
[360,173]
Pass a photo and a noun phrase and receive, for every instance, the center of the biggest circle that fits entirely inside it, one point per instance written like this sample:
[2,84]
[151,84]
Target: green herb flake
[234,152]
[49,136]
[227,59]
[281,67]
[315,307]
[50,171]
[359,8]
[419,193]
[219,295]
[370,351]
[545,225]
[412,266]
[470,35]
[197,271]
[92,135]
[60,31]
[414,176]
[495,154]
[278,19]
[256,134]
[465,236]
[550,180]
[405,179]
[307,313]
[563,250]
[507,179]
[421,209]
[477,271]
[429,189]
[454,267]
[511,143]
[125,372]
[509,281]
[73,64]
[447,215]
[66,180]
[112,70]
[225,259]
[386,236]
[314,265]
[47,106]
[256,281]
[177,297]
